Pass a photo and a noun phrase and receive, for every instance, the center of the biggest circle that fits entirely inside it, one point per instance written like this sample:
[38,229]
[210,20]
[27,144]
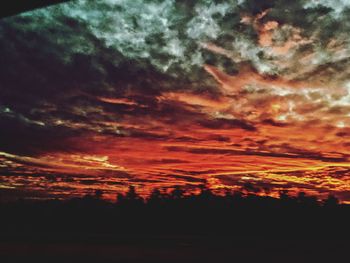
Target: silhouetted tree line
[234,214]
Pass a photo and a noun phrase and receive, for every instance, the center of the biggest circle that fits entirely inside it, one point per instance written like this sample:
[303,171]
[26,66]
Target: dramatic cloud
[103,94]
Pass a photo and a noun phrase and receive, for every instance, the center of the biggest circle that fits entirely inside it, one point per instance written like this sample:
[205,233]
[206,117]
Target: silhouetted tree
[301,197]
[132,196]
[237,195]
[120,198]
[131,193]
[284,195]
[331,201]
[177,193]
[304,199]
[205,191]
[98,194]
[155,194]
[228,193]
[204,213]
[250,188]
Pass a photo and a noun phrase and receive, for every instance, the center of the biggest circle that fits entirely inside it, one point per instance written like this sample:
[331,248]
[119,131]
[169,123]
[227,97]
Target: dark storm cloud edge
[89,39]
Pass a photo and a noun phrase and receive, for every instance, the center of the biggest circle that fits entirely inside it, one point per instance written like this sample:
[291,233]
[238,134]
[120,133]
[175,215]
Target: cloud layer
[103,94]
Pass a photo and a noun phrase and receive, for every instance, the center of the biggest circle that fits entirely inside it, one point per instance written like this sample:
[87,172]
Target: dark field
[176,228]
[175,249]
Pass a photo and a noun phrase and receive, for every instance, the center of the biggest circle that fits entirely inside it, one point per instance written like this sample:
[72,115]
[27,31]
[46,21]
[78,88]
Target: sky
[157,94]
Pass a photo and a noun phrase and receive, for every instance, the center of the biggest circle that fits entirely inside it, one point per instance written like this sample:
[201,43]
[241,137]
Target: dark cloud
[282,153]
[274,123]
[190,179]
[186,139]
[145,135]
[342,134]
[51,62]
[227,124]
[219,138]
[168,161]
[19,135]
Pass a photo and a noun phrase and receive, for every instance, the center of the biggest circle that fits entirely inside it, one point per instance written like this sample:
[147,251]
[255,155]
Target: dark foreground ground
[174,249]
[176,228]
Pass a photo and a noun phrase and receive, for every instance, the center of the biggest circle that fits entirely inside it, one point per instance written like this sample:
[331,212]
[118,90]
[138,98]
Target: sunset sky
[107,94]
